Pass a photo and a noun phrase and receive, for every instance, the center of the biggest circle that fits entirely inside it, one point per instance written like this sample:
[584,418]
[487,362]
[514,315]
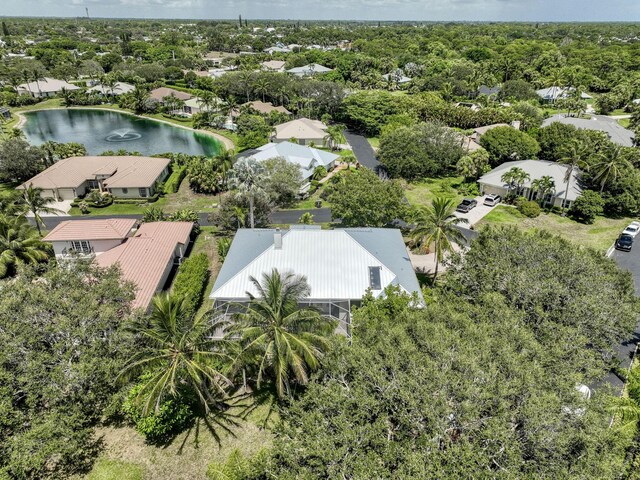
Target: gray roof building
[616,132]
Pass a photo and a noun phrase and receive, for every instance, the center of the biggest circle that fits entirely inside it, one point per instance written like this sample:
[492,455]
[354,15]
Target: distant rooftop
[616,132]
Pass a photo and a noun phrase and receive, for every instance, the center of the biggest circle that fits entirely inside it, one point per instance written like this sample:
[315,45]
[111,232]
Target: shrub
[84,207]
[191,281]
[528,208]
[239,467]
[469,189]
[223,247]
[587,207]
[172,183]
[172,416]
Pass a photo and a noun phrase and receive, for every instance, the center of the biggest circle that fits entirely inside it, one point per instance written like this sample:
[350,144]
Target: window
[81,246]
[142,192]
[374,278]
[125,190]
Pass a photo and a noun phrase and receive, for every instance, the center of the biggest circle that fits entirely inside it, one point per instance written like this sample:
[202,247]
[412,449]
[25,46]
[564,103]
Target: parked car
[492,200]
[466,205]
[632,229]
[624,242]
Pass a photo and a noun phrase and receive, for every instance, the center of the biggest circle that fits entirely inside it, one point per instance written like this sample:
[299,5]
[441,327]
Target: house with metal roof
[122,176]
[492,183]
[309,70]
[340,266]
[616,132]
[551,94]
[307,158]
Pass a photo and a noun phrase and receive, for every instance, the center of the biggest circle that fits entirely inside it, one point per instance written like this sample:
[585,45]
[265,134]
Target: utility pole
[240,20]
[86,9]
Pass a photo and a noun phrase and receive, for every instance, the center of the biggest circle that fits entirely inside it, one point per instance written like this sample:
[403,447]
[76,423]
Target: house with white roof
[309,70]
[553,93]
[45,87]
[273,66]
[118,89]
[354,261]
[492,183]
[616,132]
[307,158]
[304,130]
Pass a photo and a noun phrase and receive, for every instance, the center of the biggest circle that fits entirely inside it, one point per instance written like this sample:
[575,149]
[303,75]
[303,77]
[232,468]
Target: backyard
[599,236]
[423,192]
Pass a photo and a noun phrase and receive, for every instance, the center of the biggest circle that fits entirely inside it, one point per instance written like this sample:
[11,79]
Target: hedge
[137,201]
[191,281]
[175,179]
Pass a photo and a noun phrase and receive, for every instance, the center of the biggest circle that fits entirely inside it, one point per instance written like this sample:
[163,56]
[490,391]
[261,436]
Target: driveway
[476,214]
[64,206]
[363,150]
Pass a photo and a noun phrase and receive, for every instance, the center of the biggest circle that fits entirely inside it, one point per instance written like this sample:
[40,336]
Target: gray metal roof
[617,133]
[537,169]
[335,262]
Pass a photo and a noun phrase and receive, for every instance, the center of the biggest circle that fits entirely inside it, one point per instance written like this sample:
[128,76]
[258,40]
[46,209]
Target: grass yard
[599,236]
[121,209]
[106,469]
[374,142]
[187,198]
[618,111]
[625,122]
[423,192]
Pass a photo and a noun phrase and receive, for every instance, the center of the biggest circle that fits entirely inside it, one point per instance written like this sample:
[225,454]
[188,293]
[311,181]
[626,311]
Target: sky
[423,10]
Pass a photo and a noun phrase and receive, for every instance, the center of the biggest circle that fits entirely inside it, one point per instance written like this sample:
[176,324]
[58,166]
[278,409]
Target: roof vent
[277,239]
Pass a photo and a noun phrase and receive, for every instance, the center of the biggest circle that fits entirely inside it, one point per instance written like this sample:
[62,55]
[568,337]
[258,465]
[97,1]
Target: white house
[45,87]
[616,132]
[273,66]
[309,70]
[492,183]
[118,89]
[340,266]
[87,238]
[122,176]
[553,93]
[304,130]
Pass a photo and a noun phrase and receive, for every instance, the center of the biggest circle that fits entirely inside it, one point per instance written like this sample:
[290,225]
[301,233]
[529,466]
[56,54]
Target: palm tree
[609,166]
[261,85]
[543,186]
[224,163]
[575,156]
[179,353]
[19,243]
[437,226]
[335,136]
[282,339]
[37,76]
[627,411]
[247,176]
[241,215]
[515,177]
[37,204]
[140,97]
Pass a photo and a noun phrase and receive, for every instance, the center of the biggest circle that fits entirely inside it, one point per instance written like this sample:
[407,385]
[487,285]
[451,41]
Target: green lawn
[105,469]
[618,111]
[423,192]
[600,235]
[374,142]
[120,209]
[624,122]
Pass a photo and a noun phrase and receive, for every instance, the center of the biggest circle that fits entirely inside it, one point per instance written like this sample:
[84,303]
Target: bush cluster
[173,182]
[191,281]
[528,208]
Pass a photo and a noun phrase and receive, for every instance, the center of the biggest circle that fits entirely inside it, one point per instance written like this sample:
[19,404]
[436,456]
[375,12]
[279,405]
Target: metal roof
[537,169]
[335,262]
[616,132]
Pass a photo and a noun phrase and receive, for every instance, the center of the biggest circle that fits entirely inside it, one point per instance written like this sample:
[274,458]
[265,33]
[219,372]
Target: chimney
[277,239]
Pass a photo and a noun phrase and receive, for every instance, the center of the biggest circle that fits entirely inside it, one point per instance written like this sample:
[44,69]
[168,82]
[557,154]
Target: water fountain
[123,135]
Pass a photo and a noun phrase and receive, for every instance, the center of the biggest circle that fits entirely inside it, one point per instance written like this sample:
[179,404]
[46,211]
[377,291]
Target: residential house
[148,257]
[45,87]
[471,106]
[277,49]
[125,176]
[87,238]
[340,266]
[273,66]
[492,182]
[159,94]
[489,91]
[397,78]
[217,58]
[261,107]
[304,130]
[309,70]
[554,93]
[118,89]
[471,143]
[308,159]
[616,132]
[194,105]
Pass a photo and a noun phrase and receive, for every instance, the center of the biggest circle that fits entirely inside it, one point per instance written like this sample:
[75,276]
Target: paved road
[362,150]
[320,215]
[628,261]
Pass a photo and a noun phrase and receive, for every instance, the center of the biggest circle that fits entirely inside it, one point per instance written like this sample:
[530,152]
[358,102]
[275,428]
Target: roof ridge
[395,275]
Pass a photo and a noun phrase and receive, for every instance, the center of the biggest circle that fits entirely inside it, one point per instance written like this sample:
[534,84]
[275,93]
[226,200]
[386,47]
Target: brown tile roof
[144,258]
[99,229]
[266,108]
[130,171]
[160,93]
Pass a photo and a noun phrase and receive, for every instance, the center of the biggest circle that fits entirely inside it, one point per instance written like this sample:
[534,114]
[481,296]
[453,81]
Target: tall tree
[19,244]
[575,157]
[35,203]
[248,177]
[282,339]
[436,226]
[335,136]
[609,165]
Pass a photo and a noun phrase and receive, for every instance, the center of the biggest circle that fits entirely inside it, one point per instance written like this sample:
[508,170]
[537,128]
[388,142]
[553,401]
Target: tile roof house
[147,258]
[616,132]
[159,94]
[125,176]
[87,238]
[45,87]
[118,89]
[273,65]
[262,107]
[304,130]
[309,70]
[492,183]
[307,158]
[353,262]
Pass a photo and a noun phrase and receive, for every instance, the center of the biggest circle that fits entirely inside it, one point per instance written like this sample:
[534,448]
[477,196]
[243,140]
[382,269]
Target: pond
[100,130]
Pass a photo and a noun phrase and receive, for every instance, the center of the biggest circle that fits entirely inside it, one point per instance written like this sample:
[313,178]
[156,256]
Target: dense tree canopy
[506,143]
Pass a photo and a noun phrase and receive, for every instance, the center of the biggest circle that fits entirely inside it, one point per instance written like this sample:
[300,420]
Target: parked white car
[632,229]
[492,200]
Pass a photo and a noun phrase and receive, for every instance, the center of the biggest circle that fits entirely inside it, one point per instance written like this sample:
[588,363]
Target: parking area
[478,213]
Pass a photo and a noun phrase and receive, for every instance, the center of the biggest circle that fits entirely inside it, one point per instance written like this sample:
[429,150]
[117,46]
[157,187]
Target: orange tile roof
[144,258]
[100,229]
